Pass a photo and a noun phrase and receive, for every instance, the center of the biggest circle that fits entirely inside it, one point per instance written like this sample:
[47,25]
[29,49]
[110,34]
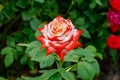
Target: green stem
[19,27]
[32,3]
[71,67]
[7,28]
[72,3]
[58,62]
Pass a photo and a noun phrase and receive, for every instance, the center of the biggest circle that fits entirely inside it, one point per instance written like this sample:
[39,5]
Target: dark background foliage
[19,20]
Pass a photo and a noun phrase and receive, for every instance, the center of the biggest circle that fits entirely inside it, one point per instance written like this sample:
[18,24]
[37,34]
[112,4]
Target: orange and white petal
[50,50]
[77,34]
[58,47]
[71,46]
[43,41]
[62,54]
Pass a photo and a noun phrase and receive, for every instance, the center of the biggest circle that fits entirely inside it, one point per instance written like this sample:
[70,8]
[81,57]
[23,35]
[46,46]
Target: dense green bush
[20,19]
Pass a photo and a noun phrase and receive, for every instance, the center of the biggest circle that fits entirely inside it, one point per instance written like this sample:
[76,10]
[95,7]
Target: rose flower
[115,4]
[59,36]
[113,42]
[114,19]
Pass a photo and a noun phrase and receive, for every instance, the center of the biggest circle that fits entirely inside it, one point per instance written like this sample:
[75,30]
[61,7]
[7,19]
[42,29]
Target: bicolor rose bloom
[113,42]
[114,19]
[59,36]
[115,4]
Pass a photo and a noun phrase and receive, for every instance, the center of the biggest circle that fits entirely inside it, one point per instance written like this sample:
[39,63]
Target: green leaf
[27,31]
[1,78]
[114,54]
[8,60]
[26,15]
[37,54]
[48,74]
[80,1]
[45,61]
[11,42]
[44,76]
[85,71]
[92,5]
[99,55]
[23,44]
[96,66]
[34,44]
[1,7]
[94,50]
[40,1]
[31,51]
[91,48]
[71,56]
[31,64]
[80,21]
[10,50]
[89,59]
[34,23]
[21,4]
[14,7]
[73,14]
[84,53]
[85,33]
[19,48]
[37,33]
[6,50]
[94,63]
[24,59]
[31,37]
[18,36]
[15,54]
[55,77]
[19,78]
[99,2]
[66,75]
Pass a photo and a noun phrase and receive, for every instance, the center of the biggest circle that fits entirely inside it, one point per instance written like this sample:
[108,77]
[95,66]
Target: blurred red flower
[114,19]
[59,36]
[115,4]
[113,42]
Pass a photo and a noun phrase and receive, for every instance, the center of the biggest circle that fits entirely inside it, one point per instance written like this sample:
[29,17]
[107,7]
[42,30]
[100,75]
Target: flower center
[58,27]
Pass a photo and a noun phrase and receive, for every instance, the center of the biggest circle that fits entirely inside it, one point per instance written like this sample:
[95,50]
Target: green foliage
[85,71]
[40,1]
[66,75]
[84,60]
[8,59]
[99,2]
[46,75]
[37,54]
[34,23]
[9,55]
[71,56]
[19,21]
[113,54]
[55,77]
[1,78]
